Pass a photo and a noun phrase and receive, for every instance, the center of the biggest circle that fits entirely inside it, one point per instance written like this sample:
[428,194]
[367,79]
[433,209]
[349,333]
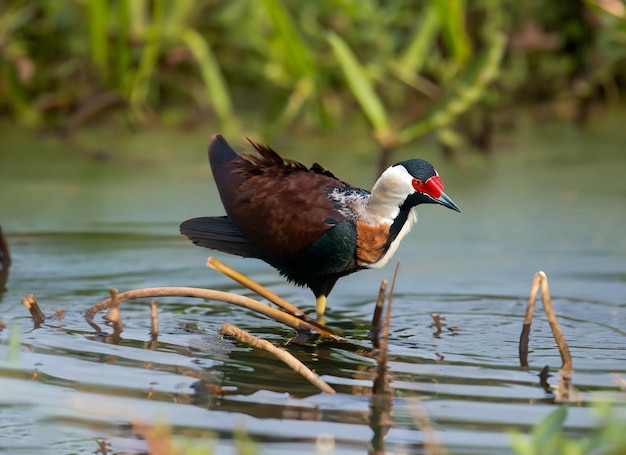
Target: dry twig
[541,280]
[437,323]
[374,332]
[282,354]
[384,341]
[562,392]
[240,278]
[422,420]
[154,318]
[210,294]
[30,302]
[103,446]
[382,394]
[114,315]
[5,259]
[262,291]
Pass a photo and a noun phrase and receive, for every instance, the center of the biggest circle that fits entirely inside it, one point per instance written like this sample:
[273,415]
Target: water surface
[551,198]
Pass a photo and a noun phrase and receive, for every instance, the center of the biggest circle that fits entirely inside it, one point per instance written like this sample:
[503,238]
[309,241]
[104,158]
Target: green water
[551,198]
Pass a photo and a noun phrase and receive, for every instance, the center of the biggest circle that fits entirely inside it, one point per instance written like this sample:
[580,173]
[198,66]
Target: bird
[311,226]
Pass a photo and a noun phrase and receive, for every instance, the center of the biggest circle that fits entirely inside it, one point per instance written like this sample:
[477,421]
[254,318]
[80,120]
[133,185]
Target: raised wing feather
[280,206]
[218,233]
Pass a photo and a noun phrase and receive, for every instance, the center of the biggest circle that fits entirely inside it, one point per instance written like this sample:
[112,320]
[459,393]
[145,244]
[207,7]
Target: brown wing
[279,205]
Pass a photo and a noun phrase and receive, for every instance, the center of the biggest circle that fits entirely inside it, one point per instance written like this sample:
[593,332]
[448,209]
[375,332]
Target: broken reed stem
[30,302]
[240,278]
[528,318]
[262,291]
[385,337]
[114,314]
[154,318]
[540,281]
[564,389]
[5,257]
[422,421]
[566,356]
[374,332]
[381,382]
[210,294]
[282,354]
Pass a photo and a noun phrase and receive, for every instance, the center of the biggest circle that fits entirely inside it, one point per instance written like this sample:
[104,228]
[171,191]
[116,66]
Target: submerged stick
[540,280]
[385,335]
[374,332]
[282,354]
[30,302]
[381,382]
[262,291]
[382,395]
[5,258]
[422,421]
[210,294]
[240,278]
[154,318]
[114,314]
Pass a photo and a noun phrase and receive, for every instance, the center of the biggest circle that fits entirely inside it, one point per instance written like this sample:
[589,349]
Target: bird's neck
[388,194]
[390,207]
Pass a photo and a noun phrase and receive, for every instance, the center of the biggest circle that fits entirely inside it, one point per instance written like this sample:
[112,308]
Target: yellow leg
[321,305]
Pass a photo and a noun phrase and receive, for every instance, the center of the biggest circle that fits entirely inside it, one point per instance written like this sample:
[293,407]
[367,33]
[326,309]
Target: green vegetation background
[398,68]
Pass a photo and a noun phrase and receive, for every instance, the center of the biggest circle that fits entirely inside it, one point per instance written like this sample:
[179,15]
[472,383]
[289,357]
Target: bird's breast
[376,244]
[371,243]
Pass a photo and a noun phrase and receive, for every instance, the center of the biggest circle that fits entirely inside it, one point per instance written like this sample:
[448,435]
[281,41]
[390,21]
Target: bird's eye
[418,185]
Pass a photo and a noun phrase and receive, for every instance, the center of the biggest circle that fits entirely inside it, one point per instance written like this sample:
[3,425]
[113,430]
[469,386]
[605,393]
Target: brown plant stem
[5,257]
[385,337]
[281,354]
[422,420]
[154,318]
[240,278]
[210,294]
[382,393]
[540,281]
[374,332]
[30,302]
[114,314]
[5,260]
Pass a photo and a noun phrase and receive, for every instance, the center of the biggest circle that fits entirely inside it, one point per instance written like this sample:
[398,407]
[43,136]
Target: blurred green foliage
[405,68]
[549,437]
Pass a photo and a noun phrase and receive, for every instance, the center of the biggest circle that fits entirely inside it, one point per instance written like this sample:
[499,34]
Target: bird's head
[418,182]
[426,185]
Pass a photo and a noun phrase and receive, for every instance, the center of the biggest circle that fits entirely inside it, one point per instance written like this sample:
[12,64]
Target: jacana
[311,226]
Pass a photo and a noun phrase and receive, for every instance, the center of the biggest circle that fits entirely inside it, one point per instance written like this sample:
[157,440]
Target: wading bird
[309,225]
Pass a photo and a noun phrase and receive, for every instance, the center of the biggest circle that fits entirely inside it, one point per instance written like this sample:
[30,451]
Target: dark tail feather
[218,233]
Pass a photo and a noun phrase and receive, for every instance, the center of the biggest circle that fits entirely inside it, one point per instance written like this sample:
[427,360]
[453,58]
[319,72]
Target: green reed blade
[422,41]
[98,25]
[297,55]
[466,90]
[360,85]
[212,76]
